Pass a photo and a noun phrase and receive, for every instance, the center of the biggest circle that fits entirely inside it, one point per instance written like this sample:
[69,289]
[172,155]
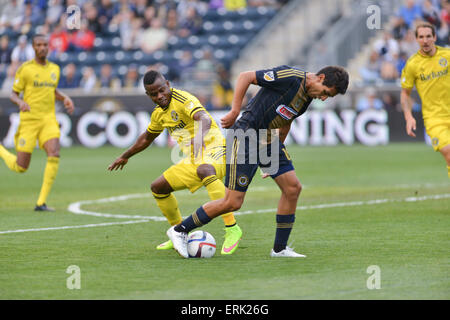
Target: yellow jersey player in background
[428,71]
[38,80]
[203,147]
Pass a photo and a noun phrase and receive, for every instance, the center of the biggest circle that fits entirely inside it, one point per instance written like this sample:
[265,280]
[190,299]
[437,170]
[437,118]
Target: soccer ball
[201,244]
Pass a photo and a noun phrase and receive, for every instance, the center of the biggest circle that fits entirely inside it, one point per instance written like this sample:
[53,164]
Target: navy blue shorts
[244,156]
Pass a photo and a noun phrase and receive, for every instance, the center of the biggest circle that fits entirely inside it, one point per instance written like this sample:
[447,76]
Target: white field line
[74,227]
[76,206]
[76,209]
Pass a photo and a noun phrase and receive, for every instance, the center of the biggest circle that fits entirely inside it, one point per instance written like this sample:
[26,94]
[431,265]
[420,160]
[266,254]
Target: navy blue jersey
[281,99]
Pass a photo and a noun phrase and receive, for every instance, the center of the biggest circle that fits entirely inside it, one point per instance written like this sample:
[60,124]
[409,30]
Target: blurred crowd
[143,25]
[389,53]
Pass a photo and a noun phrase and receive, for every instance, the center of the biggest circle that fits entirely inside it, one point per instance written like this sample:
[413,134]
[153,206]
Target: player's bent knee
[293,191]
[205,170]
[156,188]
[233,204]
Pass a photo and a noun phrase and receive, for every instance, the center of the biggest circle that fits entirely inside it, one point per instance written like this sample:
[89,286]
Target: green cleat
[232,237]
[165,245]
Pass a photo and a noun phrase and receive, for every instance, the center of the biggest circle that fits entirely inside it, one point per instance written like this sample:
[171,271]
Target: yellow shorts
[183,175]
[30,131]
[439,132]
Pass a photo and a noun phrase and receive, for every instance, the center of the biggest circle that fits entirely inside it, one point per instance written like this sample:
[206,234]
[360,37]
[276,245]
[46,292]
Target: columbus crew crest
[435,142]
[174,115]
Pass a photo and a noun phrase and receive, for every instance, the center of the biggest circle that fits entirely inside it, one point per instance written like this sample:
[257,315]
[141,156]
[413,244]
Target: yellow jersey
[432,81]
[178,119]
[38,83]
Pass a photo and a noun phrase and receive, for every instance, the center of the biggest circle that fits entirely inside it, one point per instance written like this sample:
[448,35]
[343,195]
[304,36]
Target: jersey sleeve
[408,78]
[19,80]
[279,78]
[192,106]
[155,125]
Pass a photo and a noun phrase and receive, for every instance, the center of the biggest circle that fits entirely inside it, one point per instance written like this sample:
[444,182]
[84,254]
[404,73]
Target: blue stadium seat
[101,44]
[104,57]
[123,57]
[162,56]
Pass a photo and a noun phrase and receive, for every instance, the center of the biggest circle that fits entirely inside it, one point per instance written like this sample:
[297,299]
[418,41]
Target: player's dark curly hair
[38,35]
[336,77]
[151,76]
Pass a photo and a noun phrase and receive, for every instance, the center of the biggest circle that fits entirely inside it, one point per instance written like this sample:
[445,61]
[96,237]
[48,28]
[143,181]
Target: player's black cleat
[43,207]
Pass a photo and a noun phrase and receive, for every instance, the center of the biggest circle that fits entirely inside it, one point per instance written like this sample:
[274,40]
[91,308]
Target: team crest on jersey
[435,142]
[53,76]
[174,115]
[242,180]
[269,76]
[285,112]
[443,62]
[22,142]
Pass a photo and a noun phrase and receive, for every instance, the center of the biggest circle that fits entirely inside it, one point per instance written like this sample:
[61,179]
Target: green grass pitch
[339,226]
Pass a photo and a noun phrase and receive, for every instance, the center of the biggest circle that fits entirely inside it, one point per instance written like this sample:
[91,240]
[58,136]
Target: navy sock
[197,219]
[284,227]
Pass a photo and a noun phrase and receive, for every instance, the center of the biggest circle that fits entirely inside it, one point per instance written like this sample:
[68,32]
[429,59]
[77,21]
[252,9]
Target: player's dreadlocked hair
[336,77]
[151,76]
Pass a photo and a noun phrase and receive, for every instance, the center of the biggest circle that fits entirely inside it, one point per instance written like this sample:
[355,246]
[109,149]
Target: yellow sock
[448,171]
[216,190]
[49,177]
[10,160]
[168,204]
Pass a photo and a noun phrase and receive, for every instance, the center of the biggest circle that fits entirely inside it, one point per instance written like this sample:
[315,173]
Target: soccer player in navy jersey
[253,141]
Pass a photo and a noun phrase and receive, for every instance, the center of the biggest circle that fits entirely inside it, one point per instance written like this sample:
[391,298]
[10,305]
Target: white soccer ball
[201,244]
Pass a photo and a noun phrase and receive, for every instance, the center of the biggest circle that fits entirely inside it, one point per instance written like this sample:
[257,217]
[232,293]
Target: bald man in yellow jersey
[38,80]
[202,145]
[428,71]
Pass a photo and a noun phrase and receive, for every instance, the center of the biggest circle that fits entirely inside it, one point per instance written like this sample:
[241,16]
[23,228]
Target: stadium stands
[390,51]
[211,27]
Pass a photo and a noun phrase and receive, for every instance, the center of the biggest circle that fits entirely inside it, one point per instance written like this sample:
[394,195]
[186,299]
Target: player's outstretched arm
[244,80]
[143,141]
[406,102]
[68,103]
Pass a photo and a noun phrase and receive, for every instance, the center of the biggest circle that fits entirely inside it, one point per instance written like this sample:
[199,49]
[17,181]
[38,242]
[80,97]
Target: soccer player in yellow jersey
[203,147]
[428,71]
[38,80]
